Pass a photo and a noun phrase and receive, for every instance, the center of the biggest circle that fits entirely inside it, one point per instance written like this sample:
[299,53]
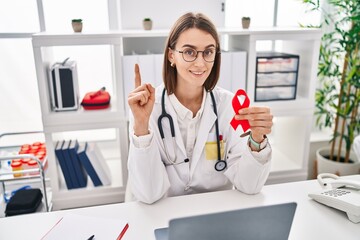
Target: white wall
[165,12]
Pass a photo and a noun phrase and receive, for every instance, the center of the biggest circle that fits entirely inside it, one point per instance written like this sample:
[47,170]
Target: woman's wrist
[141,129]
[257,137]
[256,145]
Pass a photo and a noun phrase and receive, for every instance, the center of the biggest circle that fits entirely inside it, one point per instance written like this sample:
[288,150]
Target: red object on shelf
[96,100]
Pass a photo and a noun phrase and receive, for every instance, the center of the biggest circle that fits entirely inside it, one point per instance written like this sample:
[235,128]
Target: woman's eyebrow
[194,47]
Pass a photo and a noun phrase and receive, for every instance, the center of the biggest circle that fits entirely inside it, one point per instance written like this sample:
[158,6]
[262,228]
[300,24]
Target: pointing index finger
[137,76]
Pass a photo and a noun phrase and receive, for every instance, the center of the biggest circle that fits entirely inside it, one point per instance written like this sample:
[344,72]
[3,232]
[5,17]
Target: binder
[62,162]
[79,170]
[225,77]
[233,70]
[69,164]
[85,161]
[99,163]
[239,71]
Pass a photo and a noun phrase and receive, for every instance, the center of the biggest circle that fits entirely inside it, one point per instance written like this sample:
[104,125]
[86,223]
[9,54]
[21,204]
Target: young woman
[181,140]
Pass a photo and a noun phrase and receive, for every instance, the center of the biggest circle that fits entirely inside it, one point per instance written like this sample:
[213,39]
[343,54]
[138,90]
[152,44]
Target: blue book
[69,164]
[85,161]
[79,170]
[63,166]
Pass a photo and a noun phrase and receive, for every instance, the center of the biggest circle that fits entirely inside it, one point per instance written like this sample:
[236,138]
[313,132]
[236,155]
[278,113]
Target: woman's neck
[191,98]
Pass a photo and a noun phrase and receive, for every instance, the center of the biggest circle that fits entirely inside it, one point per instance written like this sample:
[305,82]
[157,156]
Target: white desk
[312,220]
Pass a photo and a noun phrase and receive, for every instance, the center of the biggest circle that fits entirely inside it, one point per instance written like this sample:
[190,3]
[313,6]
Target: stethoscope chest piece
[220,165]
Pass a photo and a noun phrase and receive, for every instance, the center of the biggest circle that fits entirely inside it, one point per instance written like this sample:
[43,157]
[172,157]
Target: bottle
[16,166]
[32,164]
[25,164]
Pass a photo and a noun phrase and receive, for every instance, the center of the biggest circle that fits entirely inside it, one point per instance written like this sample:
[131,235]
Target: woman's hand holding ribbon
[260,120]
[141,101]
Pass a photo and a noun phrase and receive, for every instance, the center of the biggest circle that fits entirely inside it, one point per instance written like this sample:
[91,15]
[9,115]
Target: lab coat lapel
[207,122]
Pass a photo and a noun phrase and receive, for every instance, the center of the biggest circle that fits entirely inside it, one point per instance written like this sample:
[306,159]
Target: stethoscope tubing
[164,114]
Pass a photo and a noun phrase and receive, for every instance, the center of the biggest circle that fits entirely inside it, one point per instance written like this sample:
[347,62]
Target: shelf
[72,120]
[47,39]
[292,118]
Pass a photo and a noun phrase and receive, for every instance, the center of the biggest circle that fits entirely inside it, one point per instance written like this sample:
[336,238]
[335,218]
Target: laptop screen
[265,222]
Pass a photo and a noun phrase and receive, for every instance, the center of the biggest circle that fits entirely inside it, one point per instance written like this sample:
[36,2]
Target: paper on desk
[75,227]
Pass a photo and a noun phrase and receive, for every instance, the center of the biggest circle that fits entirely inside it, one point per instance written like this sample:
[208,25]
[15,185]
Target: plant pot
[245,23]
[325,165]
[77,26]
[147,25]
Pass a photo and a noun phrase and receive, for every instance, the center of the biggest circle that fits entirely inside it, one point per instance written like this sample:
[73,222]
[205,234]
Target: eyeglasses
[190,54]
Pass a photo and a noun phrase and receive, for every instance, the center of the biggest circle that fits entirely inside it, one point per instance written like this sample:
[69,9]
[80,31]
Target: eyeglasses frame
[197,53]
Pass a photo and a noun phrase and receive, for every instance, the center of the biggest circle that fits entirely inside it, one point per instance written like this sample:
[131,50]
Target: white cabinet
[107,127]
[292,122]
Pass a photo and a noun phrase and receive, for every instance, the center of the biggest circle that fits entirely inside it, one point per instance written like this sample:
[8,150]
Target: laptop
[266,222]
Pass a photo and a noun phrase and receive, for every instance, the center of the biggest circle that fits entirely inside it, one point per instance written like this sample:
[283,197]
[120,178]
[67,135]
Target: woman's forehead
[196,38]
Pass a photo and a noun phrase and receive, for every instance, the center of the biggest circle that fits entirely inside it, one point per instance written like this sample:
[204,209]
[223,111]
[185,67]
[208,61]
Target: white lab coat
[151,180]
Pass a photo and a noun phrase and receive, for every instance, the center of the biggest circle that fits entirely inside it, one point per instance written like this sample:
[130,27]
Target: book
[80,173]
[85,161]
[69,164]
[62,163]
[99,163]
[74,227]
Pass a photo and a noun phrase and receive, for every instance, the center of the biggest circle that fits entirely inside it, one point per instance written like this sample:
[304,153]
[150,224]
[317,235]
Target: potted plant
[337,99]
[245,21]
[147,23]
[77,25]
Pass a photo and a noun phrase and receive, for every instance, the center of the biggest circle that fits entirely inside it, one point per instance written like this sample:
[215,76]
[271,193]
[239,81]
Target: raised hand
[141,102]
[260,120]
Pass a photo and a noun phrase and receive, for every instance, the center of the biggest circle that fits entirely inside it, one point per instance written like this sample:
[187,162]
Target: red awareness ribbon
[237,106]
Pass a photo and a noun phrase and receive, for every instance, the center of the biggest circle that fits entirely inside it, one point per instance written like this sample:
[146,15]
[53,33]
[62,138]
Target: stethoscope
[220,165]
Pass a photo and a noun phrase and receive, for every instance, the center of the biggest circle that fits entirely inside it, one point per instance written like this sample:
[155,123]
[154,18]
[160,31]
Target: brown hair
[185,22]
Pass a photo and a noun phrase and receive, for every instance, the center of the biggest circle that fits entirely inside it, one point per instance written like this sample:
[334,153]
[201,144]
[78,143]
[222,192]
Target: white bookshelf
[293,118]
[80,123]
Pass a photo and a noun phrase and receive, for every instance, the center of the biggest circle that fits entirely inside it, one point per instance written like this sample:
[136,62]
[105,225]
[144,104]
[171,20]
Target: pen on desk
[91,237]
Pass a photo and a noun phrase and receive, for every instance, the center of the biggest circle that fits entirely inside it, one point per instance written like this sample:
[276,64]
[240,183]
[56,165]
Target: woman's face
[193,74]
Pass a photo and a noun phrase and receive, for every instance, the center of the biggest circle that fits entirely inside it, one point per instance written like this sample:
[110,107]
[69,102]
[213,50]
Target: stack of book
[78,161]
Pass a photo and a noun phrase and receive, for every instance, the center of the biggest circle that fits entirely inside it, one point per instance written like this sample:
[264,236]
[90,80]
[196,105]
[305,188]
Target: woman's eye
[190,52]
[208,52]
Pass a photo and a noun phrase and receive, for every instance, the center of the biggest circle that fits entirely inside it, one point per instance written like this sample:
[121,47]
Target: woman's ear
[171,56]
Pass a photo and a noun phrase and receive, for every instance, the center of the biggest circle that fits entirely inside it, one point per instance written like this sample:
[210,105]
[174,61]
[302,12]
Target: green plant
[147,19]
[337,99]
[76,20]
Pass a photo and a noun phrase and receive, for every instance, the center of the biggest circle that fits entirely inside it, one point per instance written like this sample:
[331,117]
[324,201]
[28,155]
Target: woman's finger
[137,76]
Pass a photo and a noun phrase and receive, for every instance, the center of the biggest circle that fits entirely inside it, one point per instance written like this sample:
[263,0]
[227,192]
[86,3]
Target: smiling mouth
[197,72]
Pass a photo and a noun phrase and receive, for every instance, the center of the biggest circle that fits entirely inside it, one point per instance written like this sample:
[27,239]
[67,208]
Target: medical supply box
[276,76]
[63,84]
[96,100]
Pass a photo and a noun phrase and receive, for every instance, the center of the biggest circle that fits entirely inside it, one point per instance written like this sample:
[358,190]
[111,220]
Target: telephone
[340,194]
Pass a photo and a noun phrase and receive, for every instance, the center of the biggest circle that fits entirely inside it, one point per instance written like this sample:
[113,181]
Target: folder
[69,164]
[239,70]
[62,162]
[80,173]
[85,161]
[99,163]
[233,70]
